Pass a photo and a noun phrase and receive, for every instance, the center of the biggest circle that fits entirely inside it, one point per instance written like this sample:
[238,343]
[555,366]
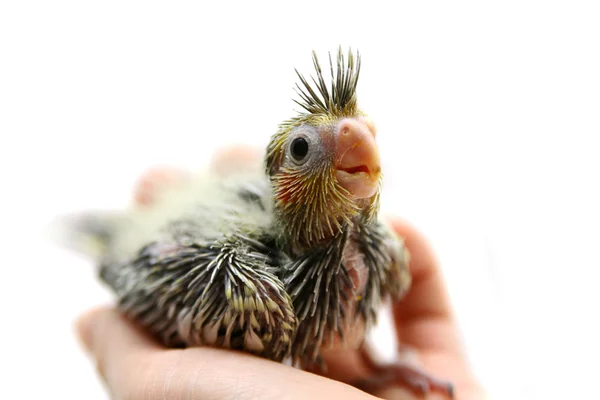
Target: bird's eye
[299,149]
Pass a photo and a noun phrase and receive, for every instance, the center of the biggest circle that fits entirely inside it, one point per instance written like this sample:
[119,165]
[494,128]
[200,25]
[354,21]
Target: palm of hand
[135,367]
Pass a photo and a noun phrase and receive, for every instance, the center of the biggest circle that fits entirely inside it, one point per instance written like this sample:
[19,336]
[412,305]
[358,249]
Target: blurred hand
[135,367]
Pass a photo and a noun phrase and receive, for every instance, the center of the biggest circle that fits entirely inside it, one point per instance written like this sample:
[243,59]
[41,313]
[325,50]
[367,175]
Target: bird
[281,261]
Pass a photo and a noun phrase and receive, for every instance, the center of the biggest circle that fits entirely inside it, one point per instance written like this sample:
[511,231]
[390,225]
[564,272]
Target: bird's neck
[311,215]
[298,242]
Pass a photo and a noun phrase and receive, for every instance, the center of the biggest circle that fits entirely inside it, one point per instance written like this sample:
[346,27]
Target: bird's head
[324,164]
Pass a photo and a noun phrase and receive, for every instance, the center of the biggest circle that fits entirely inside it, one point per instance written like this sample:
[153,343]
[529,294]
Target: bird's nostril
[357,127]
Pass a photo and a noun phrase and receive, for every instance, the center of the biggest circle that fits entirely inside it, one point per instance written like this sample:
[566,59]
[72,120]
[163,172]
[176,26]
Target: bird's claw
[413,379]
[420,381]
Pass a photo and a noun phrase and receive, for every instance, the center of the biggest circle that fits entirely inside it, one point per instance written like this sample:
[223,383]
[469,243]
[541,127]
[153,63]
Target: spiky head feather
[341,99]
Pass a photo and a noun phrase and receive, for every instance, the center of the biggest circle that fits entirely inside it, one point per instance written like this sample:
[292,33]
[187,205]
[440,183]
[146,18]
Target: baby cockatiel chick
[281,264]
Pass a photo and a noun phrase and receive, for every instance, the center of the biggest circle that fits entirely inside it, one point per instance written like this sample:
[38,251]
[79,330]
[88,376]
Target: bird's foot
[417,381]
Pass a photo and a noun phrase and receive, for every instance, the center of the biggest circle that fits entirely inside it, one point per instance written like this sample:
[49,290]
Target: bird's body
[206,264]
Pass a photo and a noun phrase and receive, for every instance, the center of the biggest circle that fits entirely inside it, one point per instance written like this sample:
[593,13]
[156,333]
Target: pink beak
[357,157]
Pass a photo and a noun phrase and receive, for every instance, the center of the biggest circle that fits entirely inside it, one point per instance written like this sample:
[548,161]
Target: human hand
[135,367]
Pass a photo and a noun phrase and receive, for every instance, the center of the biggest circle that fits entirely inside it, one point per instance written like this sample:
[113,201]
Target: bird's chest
[353,260]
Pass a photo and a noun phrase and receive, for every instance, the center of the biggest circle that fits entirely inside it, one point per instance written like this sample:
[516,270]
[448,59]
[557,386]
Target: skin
[133,366]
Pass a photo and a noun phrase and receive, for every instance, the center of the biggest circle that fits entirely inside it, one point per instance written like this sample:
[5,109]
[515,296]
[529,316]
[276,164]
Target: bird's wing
[222,293]
[215,207]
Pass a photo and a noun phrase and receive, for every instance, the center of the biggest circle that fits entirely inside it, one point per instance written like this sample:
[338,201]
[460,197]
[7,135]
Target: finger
[154,181]
[424,317]
[236,159]
[219,374]
[225,162]
[399,393]
[136,367]
[115,344]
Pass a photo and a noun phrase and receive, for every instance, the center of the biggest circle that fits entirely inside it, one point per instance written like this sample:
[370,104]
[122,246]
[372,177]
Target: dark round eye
[299,148]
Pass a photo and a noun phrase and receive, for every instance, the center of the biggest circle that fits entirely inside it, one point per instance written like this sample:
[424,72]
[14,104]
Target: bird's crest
[339,99]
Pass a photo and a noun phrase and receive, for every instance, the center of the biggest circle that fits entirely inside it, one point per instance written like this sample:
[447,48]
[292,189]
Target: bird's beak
[357,157]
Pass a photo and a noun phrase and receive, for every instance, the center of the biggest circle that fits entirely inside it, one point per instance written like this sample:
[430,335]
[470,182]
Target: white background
[488,117]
